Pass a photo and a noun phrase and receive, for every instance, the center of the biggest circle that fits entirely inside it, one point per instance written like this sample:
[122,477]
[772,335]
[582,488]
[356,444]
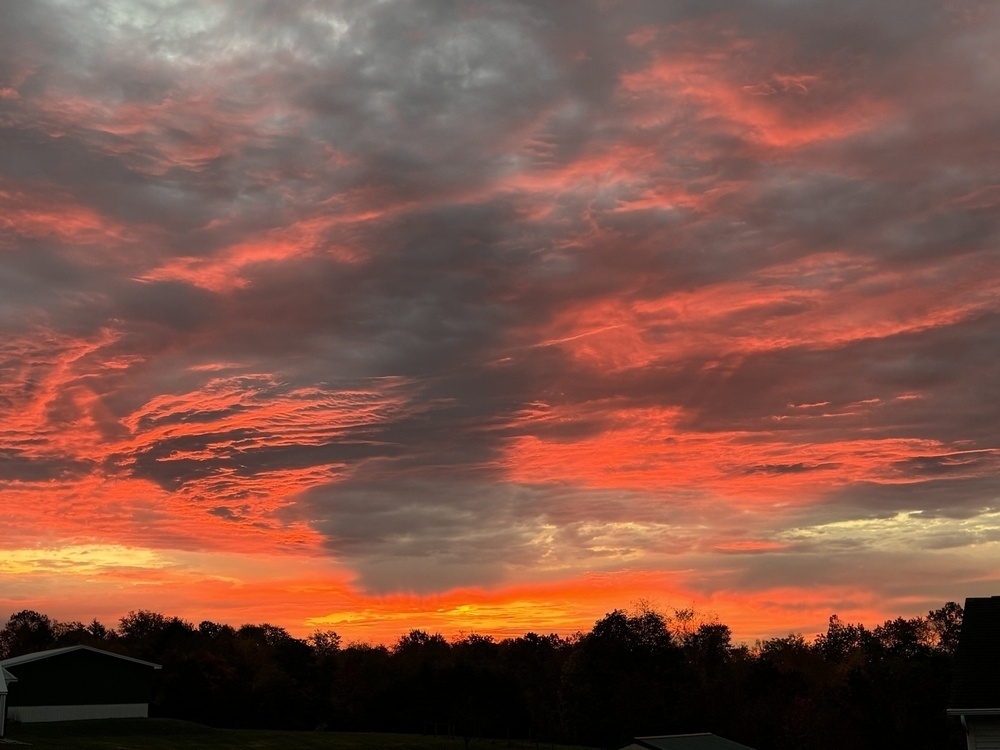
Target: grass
[164,734]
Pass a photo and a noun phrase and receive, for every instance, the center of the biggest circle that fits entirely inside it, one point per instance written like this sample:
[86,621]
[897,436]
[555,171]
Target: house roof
[700,741]
[15,661]
[975,688]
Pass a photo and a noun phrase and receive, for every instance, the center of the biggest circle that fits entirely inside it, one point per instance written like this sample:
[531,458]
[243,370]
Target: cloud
[460,301]
[81,559]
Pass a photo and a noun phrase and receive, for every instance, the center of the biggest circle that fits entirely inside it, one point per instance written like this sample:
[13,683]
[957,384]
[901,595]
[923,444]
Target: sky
[496,316]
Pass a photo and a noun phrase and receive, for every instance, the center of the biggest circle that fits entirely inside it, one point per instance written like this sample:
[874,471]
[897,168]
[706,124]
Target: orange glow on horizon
[303,605]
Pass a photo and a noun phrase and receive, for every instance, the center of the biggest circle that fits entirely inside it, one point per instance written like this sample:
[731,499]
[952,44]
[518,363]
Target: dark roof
[702,741]
[26,658]
[975,687]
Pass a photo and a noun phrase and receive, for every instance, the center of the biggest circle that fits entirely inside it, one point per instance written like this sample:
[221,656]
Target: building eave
[36,656]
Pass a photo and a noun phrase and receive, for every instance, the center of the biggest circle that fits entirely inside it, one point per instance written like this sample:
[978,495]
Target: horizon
[375,317]
[678,621]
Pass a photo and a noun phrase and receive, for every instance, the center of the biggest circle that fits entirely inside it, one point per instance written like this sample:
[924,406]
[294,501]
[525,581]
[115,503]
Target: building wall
[79,678]
[984,732]
[32,714]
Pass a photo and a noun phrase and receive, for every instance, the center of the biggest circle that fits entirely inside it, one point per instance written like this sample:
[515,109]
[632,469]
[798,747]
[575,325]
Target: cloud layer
[440,307]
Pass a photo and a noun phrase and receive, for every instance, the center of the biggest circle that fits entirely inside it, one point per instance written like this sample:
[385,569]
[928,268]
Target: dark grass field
[164,734]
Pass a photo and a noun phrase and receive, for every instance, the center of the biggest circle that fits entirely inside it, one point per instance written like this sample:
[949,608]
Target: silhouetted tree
[622,679]
[945,625]
[536,663]
[25,632]
[631,674]
[99,632]
[360,689]
[324,643]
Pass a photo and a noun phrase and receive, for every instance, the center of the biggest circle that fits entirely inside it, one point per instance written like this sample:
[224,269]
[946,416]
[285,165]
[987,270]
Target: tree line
[637,672]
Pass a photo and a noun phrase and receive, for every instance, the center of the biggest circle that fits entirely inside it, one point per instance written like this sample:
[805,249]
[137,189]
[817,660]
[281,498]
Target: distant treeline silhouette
[634,673]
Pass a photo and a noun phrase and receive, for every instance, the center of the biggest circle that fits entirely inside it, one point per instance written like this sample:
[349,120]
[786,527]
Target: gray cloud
[424,535]
[771,220]
[20,466]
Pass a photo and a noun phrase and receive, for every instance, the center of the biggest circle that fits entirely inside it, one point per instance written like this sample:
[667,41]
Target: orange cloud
[41,212]
[767,103]
[815,301]
[652,450]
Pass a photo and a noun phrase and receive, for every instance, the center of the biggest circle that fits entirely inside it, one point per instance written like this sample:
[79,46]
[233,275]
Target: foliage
[633,673]
[25,632]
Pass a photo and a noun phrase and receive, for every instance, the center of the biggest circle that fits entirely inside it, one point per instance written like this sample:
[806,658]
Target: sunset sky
[496,316]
